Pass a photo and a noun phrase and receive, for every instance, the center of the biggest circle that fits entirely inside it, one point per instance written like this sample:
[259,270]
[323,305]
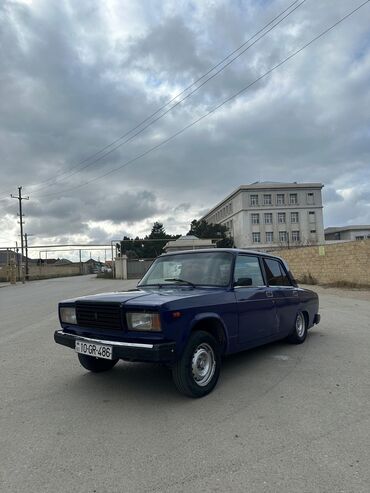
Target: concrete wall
[43,271]
[336,263]
[50,271]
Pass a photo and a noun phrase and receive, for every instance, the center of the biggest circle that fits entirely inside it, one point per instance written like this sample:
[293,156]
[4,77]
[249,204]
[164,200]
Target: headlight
[68,314]
[143,321]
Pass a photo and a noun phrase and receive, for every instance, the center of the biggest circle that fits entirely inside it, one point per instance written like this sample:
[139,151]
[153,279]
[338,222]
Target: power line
[213,110]
[230,55]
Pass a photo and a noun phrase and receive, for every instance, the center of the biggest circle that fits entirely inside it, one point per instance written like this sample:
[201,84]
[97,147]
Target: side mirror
[243,281]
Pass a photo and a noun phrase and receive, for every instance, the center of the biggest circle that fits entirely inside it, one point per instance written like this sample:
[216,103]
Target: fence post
[120,267]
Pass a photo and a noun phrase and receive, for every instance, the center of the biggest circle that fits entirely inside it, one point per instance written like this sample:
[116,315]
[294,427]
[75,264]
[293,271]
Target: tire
[299,333]
[96,365]
[196,373]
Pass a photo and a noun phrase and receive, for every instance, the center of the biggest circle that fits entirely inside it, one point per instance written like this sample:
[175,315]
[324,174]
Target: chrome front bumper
[130,351]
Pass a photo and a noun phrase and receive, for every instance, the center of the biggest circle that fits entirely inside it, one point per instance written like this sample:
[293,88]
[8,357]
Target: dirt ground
[355,293]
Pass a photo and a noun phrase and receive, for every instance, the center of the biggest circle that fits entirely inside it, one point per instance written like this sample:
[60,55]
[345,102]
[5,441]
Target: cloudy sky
[77,75]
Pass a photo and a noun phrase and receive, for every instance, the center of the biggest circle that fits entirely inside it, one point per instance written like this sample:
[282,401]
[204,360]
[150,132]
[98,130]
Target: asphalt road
[282,419]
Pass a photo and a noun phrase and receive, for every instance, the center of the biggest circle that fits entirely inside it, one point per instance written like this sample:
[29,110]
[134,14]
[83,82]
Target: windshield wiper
[177,279]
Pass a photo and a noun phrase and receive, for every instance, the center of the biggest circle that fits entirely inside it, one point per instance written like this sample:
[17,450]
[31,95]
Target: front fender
[209,317]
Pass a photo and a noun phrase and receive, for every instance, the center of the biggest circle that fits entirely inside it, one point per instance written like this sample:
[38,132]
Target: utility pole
[17,257]
[20,198]
[26,248]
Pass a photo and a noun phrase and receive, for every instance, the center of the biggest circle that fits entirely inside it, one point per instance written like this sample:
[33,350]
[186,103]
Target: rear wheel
[299,332]
[197,371]
[96,365]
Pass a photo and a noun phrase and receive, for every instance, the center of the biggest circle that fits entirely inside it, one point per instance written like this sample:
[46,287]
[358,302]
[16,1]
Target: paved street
[282,419]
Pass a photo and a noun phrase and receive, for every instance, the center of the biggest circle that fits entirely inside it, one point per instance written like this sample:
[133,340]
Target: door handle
[269,294]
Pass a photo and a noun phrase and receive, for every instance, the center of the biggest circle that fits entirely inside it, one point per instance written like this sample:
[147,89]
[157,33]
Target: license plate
[93,349]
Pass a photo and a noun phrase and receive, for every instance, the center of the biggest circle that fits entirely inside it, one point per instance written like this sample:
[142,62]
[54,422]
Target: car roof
[234,251]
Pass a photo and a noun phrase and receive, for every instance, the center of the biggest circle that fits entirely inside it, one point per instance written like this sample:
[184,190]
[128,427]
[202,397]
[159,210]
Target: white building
[269,214]
[348,233]
[188,242]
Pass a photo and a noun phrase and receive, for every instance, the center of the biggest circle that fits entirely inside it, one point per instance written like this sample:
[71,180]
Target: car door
[255,303]
[286,295]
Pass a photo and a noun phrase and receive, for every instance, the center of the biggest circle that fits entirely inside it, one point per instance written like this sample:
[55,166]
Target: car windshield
[203,268]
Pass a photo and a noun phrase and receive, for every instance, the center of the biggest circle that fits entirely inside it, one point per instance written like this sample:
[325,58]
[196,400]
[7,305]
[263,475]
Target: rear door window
[275,273]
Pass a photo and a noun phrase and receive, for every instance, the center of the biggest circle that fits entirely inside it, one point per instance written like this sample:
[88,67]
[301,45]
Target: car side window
[247,271]
[275,273]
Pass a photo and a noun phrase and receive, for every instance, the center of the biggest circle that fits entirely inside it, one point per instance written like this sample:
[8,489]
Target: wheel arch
[214,325]
[306,317]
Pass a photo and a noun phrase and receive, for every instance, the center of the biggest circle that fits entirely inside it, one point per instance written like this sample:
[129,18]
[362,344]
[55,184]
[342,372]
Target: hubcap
[300,325]
[203,364]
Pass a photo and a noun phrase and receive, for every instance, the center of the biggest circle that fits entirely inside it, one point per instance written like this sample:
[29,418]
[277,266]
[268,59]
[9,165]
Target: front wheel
[197,371]
[96,365]
[299,332]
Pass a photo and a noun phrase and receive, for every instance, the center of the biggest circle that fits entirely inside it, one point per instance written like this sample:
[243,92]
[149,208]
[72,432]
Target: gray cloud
[168,50]
[330,195]
[126,207]
[74,78]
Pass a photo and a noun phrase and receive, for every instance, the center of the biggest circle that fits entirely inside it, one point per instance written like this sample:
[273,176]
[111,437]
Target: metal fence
[137,268]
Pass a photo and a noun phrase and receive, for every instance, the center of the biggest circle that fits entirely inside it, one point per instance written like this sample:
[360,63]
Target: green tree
[203,230]
[158,232]
[148,247]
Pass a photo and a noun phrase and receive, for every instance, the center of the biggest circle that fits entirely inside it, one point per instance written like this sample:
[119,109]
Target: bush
[308,279]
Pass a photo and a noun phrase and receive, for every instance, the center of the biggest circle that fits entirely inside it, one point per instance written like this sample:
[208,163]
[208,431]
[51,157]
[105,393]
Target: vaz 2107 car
[190,309]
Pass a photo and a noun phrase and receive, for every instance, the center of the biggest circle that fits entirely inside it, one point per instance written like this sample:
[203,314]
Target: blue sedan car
[190,309]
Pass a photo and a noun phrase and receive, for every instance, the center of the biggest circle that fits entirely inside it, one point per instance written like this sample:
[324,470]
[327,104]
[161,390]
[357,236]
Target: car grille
[99,315]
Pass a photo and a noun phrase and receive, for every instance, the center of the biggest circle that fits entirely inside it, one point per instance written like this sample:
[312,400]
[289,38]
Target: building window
[267,199]
[313,231]
[294,218]
[310,198]
[312,216]
[255,218]
[280,199]
[269,237]
[295,236]
[360,237]
[281,217]
[268,218]
[283,236]
[293,199]
[256,237]
[254,199]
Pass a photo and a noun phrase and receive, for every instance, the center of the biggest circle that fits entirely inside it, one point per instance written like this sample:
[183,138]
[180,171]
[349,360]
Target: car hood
[151,297]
